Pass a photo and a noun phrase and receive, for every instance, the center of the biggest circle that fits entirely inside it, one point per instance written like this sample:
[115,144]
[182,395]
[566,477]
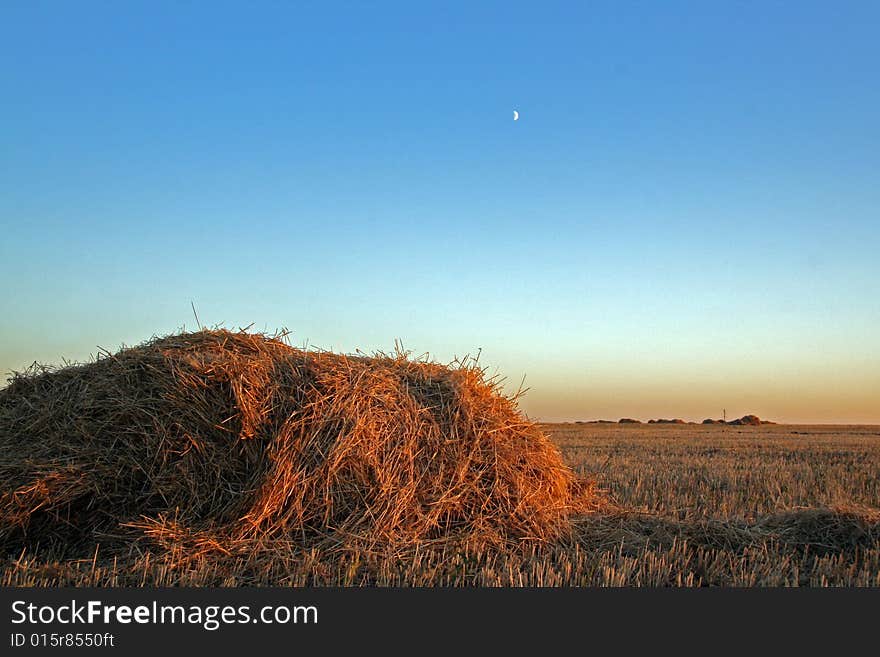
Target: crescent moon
[515,115]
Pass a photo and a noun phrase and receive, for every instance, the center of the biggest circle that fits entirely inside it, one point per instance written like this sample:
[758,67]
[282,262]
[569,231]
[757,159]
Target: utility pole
[725,414]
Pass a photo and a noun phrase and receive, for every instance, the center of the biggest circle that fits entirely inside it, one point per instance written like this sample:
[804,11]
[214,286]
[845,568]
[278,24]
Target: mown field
[692,472]
[774,505]
[687,505]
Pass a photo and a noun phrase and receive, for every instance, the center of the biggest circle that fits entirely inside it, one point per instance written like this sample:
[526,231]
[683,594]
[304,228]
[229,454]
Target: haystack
[747,420]
[222,438]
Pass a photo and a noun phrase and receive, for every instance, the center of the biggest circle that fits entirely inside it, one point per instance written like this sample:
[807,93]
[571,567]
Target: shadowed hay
[217,441]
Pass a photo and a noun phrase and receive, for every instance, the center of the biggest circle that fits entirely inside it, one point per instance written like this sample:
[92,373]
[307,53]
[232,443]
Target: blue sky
[684,218]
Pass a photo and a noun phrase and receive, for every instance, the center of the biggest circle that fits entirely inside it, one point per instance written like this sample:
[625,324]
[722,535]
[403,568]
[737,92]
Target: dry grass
[221,445]
[820,547]
[275,466]
[692,472]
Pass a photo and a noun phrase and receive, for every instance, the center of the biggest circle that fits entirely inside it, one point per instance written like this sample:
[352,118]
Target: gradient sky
[685,218]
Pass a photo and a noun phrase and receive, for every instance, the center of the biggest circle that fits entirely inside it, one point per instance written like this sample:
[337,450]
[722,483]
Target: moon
[515,115]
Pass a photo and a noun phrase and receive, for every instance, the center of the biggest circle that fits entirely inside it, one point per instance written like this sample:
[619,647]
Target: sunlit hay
[215,441]
[606,549]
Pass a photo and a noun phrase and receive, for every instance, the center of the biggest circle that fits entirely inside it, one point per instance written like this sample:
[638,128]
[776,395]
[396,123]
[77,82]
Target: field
[726,473]
[688,505]
[775,505]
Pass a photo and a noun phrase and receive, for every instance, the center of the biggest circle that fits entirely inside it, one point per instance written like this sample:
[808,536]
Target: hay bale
[747,420]
[222,438]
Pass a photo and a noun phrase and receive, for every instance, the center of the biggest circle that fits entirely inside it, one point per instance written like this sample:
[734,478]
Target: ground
[722,505]
[723,472]
[685,505]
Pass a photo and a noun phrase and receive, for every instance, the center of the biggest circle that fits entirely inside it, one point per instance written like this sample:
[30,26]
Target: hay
[747,420]
[217,441]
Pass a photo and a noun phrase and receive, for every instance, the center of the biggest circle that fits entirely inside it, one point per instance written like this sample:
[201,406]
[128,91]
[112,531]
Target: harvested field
[694,472]
[228,460]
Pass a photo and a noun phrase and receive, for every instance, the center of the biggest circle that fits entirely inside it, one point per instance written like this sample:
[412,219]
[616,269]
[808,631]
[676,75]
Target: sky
[684,219]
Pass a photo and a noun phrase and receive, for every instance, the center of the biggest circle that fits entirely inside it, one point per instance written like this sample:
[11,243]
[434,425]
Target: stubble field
[694,472]
[774,505]
[687,505]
